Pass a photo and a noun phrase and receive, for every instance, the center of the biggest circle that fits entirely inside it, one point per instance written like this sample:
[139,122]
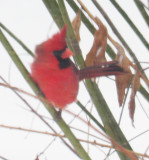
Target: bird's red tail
[104,69]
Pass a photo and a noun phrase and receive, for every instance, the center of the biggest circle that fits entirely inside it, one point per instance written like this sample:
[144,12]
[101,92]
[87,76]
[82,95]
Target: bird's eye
[58,53]
[63,63]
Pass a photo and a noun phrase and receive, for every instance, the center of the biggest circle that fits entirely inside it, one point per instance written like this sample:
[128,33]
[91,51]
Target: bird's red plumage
[57,76]
[60,86]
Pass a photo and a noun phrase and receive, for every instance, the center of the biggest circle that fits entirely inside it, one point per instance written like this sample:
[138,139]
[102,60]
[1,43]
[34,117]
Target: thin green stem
[54,11]
[85,20]
[90,115]
[17,39]
[72,42]
[129,21]
[144,93]
[142,11]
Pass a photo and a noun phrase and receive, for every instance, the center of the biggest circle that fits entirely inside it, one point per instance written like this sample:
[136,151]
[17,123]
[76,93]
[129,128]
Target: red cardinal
[56,74]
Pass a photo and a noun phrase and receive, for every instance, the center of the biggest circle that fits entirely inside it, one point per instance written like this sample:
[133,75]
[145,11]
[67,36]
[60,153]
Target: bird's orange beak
[67,53]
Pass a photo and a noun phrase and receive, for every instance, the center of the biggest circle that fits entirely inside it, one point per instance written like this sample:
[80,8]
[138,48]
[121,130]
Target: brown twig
[62,136]
[115,145]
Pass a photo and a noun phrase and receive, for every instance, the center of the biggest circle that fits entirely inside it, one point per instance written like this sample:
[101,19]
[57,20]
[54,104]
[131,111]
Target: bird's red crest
[57,42]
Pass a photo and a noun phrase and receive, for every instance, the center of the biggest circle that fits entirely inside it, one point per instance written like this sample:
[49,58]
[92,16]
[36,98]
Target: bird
[57,76]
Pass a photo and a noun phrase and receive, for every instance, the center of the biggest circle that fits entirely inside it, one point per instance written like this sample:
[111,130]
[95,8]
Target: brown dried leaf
[135,88]
[122,81]
[76,25]
[97,53]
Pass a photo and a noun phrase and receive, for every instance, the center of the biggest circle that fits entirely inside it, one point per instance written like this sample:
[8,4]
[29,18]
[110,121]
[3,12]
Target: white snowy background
[30,21]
